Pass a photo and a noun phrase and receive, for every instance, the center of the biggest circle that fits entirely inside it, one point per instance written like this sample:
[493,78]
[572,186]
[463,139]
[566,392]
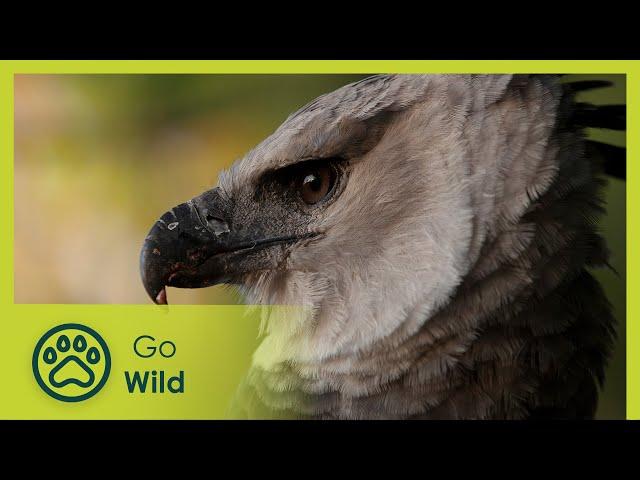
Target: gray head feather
[450,278]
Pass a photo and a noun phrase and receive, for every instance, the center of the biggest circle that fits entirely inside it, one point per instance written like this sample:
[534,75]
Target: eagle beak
[194,245]
[180,245]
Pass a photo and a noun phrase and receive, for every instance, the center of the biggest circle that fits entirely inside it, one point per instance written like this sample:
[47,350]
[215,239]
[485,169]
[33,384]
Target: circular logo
[71,362]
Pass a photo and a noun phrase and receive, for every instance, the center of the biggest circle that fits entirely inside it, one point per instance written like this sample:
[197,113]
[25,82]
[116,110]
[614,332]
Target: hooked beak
[193,246]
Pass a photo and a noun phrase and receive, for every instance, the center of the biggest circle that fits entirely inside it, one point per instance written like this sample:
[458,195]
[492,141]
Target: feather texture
[452,279]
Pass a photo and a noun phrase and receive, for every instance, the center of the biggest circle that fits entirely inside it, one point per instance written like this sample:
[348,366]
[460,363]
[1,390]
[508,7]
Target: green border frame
[9,310]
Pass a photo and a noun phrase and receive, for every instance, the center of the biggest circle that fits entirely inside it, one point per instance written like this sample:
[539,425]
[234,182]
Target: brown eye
[315,184]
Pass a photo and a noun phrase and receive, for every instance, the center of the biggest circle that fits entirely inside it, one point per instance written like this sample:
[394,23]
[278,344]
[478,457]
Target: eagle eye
[315,182]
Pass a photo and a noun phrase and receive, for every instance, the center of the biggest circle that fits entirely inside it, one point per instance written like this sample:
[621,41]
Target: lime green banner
[124,362]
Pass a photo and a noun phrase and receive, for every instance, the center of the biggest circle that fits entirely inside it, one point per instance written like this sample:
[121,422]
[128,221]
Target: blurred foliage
[99,157]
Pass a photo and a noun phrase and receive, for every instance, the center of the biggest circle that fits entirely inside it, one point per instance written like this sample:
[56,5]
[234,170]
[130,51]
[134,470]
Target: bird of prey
[438,230]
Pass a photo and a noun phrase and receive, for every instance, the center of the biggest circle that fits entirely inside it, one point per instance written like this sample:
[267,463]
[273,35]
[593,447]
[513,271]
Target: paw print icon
[71,362]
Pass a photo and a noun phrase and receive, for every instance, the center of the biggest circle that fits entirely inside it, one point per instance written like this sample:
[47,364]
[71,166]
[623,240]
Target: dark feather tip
[613,158]
[584,85]
[613,117]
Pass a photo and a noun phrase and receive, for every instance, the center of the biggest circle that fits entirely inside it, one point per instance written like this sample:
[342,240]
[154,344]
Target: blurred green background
[99,157]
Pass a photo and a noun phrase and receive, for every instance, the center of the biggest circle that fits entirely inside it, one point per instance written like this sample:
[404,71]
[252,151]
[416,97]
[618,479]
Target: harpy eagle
[439,230]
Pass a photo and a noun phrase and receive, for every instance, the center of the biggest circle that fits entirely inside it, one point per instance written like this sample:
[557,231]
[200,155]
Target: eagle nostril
[217,225]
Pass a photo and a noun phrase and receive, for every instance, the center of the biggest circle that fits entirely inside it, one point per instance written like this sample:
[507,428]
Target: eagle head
[418,218]
[358,206]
